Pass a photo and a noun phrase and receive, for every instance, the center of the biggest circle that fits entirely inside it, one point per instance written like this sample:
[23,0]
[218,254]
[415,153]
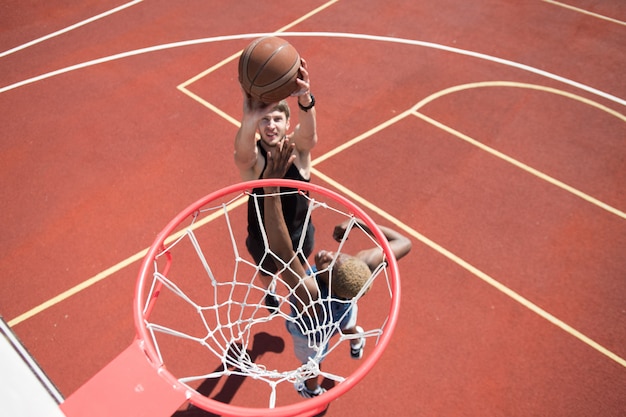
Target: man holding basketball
[271,123]
[350,274]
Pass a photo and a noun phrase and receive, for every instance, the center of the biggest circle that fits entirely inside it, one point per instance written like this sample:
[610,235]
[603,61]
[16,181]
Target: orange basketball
[268,69]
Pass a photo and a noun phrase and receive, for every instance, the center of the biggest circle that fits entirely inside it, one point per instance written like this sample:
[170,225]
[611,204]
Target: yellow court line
[587,12]
[523,166]
[183,87]
[77,288]
[117,267]
[210,106]
[473,270]
[361,137]
[428,242]
[514,84]
[454,89]
[346,145]
[138,256]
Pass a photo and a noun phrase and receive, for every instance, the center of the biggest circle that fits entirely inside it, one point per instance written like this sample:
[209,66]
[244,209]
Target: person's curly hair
[350,276]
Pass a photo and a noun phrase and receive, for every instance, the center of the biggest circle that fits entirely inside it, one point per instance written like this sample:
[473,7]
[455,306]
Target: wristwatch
[310,106]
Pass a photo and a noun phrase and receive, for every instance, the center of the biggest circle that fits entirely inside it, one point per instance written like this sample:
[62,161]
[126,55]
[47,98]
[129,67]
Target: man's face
[273,127]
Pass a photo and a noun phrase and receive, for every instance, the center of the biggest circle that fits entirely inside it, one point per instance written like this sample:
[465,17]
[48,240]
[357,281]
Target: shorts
[301,346]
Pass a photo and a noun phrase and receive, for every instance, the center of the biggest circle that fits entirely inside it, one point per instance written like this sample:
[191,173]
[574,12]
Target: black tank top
[295,206]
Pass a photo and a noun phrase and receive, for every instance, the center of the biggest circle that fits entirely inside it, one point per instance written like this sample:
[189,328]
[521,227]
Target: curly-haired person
[350,274]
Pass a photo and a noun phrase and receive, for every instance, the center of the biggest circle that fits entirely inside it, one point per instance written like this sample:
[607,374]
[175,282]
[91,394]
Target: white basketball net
[208,320]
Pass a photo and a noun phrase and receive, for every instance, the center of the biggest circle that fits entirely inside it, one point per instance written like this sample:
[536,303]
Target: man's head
[274,125]
[350,274]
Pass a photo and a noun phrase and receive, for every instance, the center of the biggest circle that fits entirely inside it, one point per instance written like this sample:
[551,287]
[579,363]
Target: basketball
[268,69]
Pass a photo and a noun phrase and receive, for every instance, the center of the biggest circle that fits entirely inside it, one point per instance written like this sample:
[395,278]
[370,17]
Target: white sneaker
[307,393]
[356,350]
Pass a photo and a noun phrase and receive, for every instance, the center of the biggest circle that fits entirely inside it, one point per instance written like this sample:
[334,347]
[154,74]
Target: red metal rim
[308,407]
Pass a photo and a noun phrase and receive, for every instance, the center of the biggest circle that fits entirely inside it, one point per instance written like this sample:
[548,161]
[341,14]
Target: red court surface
[491,132]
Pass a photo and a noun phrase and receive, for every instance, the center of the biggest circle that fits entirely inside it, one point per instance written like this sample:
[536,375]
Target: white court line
[445,252]
[384,39]
[234,56]
[477,55]
[183,86]
[485,84]
[122,264]
[587,12]
[69,28]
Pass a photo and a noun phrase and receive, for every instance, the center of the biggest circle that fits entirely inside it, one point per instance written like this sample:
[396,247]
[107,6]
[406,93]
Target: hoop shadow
[262,343]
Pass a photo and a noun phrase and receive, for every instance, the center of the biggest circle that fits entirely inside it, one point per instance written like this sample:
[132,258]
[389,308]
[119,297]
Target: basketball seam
[270,88]
[259,71]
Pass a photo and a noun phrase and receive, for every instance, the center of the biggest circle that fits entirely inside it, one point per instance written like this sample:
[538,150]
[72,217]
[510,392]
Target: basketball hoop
[200,316]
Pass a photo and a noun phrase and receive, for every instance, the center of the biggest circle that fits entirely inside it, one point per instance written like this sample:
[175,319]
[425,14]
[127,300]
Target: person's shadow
[262,343]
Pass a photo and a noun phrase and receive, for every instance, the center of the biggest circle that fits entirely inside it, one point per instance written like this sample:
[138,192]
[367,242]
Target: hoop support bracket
[131,386]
